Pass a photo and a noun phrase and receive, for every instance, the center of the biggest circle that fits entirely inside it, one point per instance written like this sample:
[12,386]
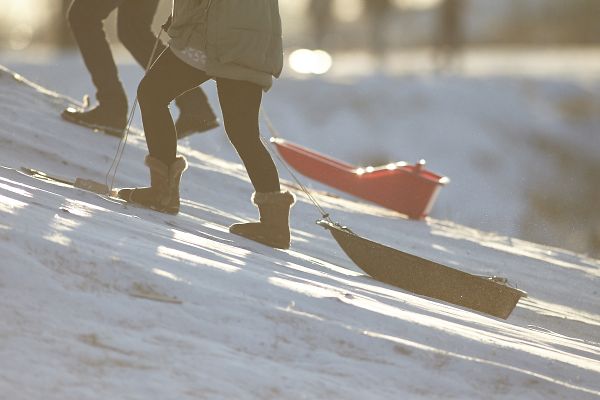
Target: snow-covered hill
[243,320]
[516,130]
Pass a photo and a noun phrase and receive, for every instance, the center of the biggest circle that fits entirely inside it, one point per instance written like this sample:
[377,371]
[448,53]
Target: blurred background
[374,25]
[501,96]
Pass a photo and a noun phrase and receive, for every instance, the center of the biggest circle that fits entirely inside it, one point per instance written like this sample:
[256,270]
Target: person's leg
[195,113]
[240,104]
[86,20]
[134,30]
[167,78]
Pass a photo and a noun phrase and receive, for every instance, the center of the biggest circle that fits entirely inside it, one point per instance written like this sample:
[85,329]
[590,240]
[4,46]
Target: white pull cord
[275,134]
[123,142]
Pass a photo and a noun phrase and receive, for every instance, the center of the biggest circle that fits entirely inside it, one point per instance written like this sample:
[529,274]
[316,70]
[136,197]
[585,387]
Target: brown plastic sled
[489,295]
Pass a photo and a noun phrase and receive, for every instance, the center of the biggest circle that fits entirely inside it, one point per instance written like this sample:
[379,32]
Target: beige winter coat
[241,38]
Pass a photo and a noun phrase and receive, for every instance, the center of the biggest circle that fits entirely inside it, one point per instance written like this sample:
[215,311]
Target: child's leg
[167,78]
[240,104]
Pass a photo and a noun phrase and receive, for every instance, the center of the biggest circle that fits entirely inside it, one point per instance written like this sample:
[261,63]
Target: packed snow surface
[102,300]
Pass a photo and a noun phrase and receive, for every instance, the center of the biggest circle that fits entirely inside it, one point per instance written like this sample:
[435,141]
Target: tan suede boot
[163,193]
[273,229]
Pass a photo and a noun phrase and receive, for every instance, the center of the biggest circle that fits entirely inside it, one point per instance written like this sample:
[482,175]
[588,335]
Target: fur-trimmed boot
[163,193]
[274,226]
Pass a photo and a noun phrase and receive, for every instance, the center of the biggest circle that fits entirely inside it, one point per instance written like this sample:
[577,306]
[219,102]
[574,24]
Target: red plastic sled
[408,189]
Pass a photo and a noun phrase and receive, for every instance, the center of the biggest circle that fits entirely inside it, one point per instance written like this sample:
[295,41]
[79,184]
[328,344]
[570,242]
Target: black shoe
[189,123]
[112,122]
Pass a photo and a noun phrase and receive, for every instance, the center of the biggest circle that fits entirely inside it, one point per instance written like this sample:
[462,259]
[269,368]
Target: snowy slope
[247,321]
[516,130]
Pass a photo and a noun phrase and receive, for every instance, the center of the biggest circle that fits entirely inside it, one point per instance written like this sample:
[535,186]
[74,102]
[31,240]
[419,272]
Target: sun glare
[305,61]
[417,4]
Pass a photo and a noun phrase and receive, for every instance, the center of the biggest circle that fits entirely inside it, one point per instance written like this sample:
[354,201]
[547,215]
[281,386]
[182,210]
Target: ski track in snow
[247,321]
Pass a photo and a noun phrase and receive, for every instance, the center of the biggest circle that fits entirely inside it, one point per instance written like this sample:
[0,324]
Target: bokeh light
[305,61]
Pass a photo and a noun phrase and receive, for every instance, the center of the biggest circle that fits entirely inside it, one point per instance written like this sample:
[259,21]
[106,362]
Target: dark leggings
[240,103]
